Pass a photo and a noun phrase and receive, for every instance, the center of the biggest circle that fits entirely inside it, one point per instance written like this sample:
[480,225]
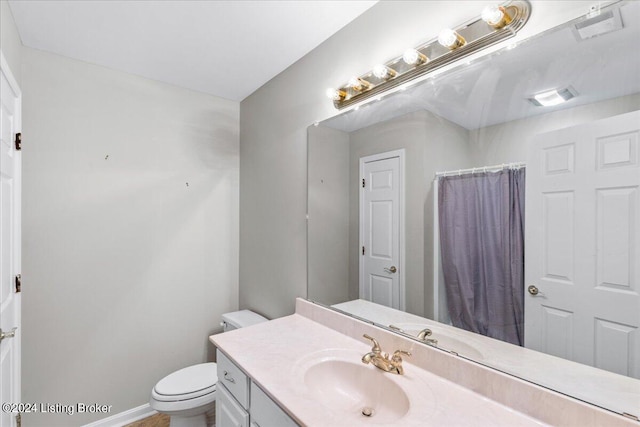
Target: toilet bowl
[188,395]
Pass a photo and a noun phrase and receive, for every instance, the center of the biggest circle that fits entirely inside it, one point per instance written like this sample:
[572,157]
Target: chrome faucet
[382,361]
[423,334]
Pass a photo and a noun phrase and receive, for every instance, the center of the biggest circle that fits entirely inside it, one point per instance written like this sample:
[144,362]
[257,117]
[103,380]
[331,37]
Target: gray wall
[10,42]
[431,144]
[127,269]
[274,119]
[510,142]
[328,223]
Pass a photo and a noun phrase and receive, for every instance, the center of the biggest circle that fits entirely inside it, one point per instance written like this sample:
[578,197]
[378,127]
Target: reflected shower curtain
[482,248]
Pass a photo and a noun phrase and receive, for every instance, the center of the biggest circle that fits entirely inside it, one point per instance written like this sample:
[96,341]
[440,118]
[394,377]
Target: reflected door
[380,232]
[582,244]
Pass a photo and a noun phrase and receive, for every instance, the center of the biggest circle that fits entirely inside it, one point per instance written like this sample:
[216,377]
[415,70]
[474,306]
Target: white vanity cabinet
[228,410]
[241,403]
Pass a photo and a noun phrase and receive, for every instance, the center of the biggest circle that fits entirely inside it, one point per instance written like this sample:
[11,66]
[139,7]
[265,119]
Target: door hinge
[363,250]
[362,182]
[19,420]
[18,283]
[18,141]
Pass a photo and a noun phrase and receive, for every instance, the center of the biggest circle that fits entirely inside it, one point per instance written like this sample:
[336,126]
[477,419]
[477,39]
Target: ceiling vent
[598,23]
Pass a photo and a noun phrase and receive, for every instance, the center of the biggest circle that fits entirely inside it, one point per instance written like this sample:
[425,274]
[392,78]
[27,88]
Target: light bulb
[492,14]
[335,94]
[413,57]
[450,39]
[356,83]
[380,71]
[496,16]
[447,37]
[383,72]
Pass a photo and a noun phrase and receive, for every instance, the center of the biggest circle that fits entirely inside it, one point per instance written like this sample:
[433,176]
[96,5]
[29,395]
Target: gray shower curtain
[482,249]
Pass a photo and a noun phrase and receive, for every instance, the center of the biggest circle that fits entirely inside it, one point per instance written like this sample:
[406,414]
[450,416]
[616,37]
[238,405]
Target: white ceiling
[224,48]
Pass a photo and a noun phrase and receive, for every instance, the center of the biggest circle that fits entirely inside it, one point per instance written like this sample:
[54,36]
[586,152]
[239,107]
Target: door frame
[400,154]
[17,240]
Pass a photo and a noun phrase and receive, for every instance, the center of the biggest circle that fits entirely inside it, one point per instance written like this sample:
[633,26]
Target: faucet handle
[376,346]
[424,333]
[396,355]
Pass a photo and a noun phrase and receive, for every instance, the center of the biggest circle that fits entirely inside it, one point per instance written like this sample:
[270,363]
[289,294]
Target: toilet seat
[186,384]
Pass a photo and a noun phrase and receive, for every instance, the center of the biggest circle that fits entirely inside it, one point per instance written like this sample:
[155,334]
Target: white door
[583,244]
[381,237]
[9,242]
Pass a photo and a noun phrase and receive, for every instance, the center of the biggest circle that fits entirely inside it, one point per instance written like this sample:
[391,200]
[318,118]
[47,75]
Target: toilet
[188,395]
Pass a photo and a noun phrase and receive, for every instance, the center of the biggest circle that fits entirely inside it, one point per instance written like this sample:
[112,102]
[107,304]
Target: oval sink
[360,392]
[445,340]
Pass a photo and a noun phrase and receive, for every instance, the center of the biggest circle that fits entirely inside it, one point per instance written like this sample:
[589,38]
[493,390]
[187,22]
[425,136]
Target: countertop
[274,355]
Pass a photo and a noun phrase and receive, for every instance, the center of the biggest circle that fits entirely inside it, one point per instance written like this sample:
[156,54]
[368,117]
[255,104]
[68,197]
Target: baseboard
[124,418]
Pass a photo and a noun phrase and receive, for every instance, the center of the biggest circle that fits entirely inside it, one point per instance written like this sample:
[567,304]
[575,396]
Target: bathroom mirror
[580,217]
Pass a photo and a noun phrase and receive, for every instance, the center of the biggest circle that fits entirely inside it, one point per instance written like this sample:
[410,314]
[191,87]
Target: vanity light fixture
[414,57]
[451,39]
[496,23]
[553,97]
[383,72]
[496,16]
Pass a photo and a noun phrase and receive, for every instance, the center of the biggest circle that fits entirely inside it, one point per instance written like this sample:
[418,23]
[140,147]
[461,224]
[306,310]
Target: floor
[161,420]
[158,420]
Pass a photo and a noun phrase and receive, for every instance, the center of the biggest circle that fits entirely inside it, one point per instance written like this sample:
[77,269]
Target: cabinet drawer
[265,412]
[233,379]
[228,412]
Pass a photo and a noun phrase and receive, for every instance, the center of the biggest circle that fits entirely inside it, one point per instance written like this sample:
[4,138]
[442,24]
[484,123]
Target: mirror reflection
[493,210]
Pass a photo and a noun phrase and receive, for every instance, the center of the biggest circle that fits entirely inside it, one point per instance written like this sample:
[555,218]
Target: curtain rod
[494,168]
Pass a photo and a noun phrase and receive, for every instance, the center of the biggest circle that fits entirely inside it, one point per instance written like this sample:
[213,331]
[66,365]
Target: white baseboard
[124,418]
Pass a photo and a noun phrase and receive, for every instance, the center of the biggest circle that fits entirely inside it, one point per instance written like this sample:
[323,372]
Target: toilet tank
[240,319]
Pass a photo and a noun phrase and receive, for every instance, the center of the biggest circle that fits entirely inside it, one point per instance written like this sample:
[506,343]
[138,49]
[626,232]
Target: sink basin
[354,394]
[358,391]
[445,339]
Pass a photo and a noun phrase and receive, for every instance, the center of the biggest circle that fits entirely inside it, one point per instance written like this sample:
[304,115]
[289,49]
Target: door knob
[392,269]
[533,290]
[4,335]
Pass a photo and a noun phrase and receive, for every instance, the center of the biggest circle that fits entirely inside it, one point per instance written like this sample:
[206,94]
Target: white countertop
[274,354]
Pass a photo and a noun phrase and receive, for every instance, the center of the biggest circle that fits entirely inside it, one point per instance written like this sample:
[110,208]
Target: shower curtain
[481,218]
